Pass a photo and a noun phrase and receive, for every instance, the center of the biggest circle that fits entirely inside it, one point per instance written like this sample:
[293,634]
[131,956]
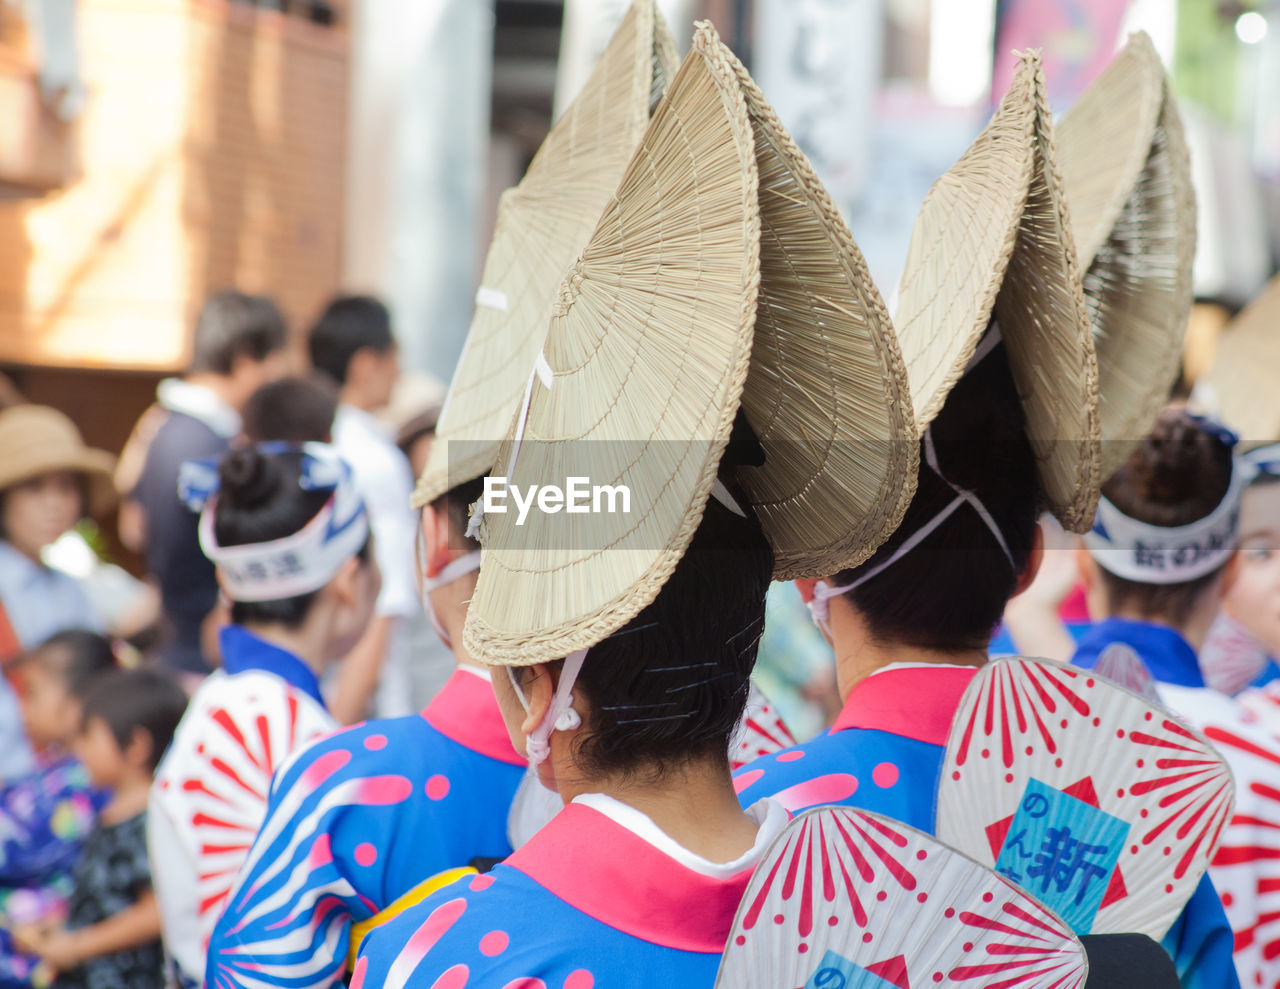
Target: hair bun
[1178,474]
[1171,465]
[249,478]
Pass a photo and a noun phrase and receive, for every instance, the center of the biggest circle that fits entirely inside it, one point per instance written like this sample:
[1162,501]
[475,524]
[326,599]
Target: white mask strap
[824,592]
[451,571]
[560,714]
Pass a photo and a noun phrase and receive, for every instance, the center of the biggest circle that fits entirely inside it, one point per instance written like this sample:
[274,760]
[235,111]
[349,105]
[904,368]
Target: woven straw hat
[827,394]
[1243,377]
[36,440]
[992,238]
[719,280]
[543,223]
[1126,176]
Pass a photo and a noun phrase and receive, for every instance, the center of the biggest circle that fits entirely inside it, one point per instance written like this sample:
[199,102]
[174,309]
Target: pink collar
[466,711]
[616,877]
[917,702]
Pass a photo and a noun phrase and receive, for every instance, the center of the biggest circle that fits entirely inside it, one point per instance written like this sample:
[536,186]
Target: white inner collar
[199,403]
[770,816]
[922,666]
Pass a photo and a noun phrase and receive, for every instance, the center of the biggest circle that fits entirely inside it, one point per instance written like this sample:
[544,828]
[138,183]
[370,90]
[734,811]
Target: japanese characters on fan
[393,801]
[1157,567]
[910,629]
[289,538]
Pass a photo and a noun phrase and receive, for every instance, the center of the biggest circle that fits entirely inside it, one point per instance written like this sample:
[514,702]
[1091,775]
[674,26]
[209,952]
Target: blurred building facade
[155,150]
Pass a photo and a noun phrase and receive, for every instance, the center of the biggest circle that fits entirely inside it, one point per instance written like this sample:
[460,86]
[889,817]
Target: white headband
[292,565]
[1152,554]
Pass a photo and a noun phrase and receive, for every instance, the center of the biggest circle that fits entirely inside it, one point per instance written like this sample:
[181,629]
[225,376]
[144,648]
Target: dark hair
[349,324]
[291,410]
[671,685]
[1177,475]
[76,655]
[456,504]
[231,325]
[949,592]
[260,500]
[131,699]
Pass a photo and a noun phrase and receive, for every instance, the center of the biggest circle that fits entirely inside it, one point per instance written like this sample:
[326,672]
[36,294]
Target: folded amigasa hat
[720,287]
[1242,381]
[543,223]
[993,239]
[1126,176]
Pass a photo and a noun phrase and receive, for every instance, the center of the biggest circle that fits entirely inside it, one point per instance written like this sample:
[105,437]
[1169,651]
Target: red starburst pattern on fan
[891,899]
[761,731]
[1024,720]
[220,776]
[1026,694]
[1246,868]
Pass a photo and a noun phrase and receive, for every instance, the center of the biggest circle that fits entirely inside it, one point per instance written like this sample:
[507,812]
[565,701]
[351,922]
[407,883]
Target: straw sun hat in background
[1126,176]
[1242,385]
[992,238]
[36,440]
[719,285]
[543,223]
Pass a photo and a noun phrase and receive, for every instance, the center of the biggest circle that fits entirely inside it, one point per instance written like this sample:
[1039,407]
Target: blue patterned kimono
[587,903]
[357,820]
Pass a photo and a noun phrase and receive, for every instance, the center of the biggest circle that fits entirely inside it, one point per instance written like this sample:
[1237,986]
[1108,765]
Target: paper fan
[543,223]
[853,899]
[1262,704]
[1122,666]
[1246,868]
[1098,802]
[1126,175]
[992,238]
[1231,658]
[760,732]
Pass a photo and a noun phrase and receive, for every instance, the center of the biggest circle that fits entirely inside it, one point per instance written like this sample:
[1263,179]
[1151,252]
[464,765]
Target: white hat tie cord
[823,592]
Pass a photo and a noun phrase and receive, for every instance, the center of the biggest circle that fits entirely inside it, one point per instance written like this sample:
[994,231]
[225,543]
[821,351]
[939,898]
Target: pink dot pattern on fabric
[525,982]
[482,882]
[580,979]
[494,943]
[366,854]
[791,756]
[744,780]
[357,973]
[885,775]
[375,742]
[425,937]
[438,787]
[829,789]
[453,978]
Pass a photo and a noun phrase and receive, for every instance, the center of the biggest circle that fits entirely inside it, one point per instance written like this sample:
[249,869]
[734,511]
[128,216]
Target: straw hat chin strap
[820,609]
[560,714]
[824,592]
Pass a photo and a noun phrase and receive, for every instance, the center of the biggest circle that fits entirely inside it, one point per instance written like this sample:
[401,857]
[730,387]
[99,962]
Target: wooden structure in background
[210,153]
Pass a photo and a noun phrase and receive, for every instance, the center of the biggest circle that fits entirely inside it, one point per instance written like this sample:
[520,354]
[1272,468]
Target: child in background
[45,817]
[112,935]
[49,480]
